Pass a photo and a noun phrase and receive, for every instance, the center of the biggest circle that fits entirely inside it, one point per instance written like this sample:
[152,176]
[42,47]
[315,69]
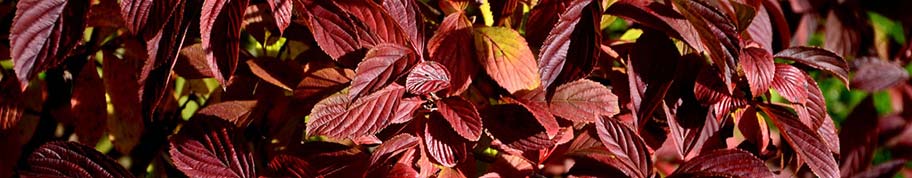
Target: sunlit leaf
[791,83]
[723,163]
[507,58]
[462,116]
[427,77]
[818,58]
[759,69]
[224,18]
[806,142]
[43,33]
[570,50]
[364,116]
[584,100]
[70,159]
[211,147]
[453,47]
[381,66]
[624,143]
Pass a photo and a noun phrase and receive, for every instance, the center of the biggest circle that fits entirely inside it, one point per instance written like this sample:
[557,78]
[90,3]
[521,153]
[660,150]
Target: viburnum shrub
[454,88]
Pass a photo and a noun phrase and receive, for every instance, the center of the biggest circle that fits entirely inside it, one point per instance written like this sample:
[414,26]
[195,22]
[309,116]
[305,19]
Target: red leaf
[570,50]
[381,66]
[506,58]
[873,74]
[136,15]
[333,30]
[222,17]
[444,146]
[281,11]
[814,112]
[320,159]
[818,58]
[829,135]
[723,163]
[290,166]
[759,69]
[542,19]
[791,83]
[210,147]
[89,107]
[11,106]
[125,89]
[283,74]
[754,128]
[191,63]
[806,142]
[624,143]
[761,29]
[427,77]
[515,127]
[507,165]
[858,138]
[534,102]
[71,159]
[380,24]
[584,101]
[453,47]
[406,108]
[718,34]
[406,14]
[236,112]
[334,117]
[321,82]
[43,33]
[886,169]
[462,116]
[843,32]
[392,147]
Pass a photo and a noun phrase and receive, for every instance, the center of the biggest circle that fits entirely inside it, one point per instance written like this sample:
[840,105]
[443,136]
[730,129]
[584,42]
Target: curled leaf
[818,58]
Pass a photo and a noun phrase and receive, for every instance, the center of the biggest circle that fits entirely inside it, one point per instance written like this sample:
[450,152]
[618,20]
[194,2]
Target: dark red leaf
[191,63]
[858,138]
[224,18]
[323,81]
[534,102]
[626,145]
[584,101]
[236,112]
[723,163]
[320,159]
[90,110]
[283,74]
[759,69]
[11,106]
[137,13]
[570,50]
[125,89]
[211,147]
[515,127]
[829,135]
[718,34]
[806,142]
[43,33]
[506,58]
[290,166]
[100,15]
[427,77]
[462,116]
[709,90]
[406,14]
[381,66]
[443,145]
[818,58]
[761,29]
[335,117]
[874,74]
[753,127]
[333,30]
[281,11]
[887,169]
[392,147]
[406,108]
[813,113]
[791,83]
[380,25]
[842,33]
[507,165]
[71,159]
[453,47]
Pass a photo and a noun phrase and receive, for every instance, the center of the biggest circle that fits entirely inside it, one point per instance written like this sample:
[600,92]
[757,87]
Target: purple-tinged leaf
[43,33]
[759,69]
[322,82]
[806,142]
[829,135]
[761,29]
[146,18]
[407,15]
[534,102]
[887,169]
[571,48]
[382,65]
[507,58]
[320,159]
[584,101]
[427,77]
[718,34]
[858,138]
[542,19]
[791,83]
[443,145]
[11,106]
[624,143]
[223,18]
[125,89]
[818,58]
[334,117]
[392,147]
[842,32]
[71,159]
[813,113]
[281,11]
[516,127]
[724,163]
[872,74]
[462,116]
[380,25]
[211,147]
[333,30]
[453,47]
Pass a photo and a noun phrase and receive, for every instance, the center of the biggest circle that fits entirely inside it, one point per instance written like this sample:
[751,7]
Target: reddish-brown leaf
[323,81]
[717,32]
[753,127]
[224,18]
[211,147]
[382,65]
[136,15]
[71,159]
[333,30]
[507,165]
[236,112]
[453,47]
[364,116]
[624,143]
[515,127]
[759,69]
[534,102]
[406,14]
[191,63]
[761,29]
[281,11]
[858,138]
[584,101]
[88,104]
[806,142]
[887,169]
[791,83]
[570,50]
[813,113]
[43,33]
[11,104]
[874,74]
[842,32]
[818,58]
[427,77]
[392,147]
[320,159]
[406,108]
[122,82]
[380,25]
[462,116]
[724,163]
[829,135]
[283,74]
[443,145]
[506,58]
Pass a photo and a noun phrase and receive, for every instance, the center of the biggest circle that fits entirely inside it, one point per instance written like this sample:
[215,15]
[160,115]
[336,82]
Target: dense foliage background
[455,88]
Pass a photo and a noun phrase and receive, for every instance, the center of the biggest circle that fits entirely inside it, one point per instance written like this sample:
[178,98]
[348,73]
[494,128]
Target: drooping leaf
[806,142]
[842,32]
[791,83]
[761,29]
[236,112]
[222,17]
[813,113]
[427,77]
[452,46]
[382,65]
[506,58]
[88,105]
[43,33]
[570,50]
[211,147]
[542,19]
[818,58]
[759,69]
[723,163]
[462,116]
[391,148]
[364,116]
[443,145]
[624,143]
[874,74]
[70,159]
[584,101]
[281,11]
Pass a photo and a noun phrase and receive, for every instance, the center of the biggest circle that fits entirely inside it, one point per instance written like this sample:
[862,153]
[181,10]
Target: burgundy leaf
[887,169]
[444,146]
[290,166]
[753,127]
[559,62]
[542,19]
[323,82]
[759,69]
[717,32]
[709,90]
[761,29]
[806,142]
[406,108]
[427,77]
[406,14]
[89,107]
[507,165]
[136,15]
[814,112]
[842,32]
[333,30]
[873,74]
[515,127]
[381,66]
[211,147]
[125,90]
[191,63]
[858,138]
[534,102]
[829,135]
[707,138]
[791,83]
[584,101]
[392,147]
[100,15]
[281,11]
[334,117]
[624,143]
[462,116]
[222,17]
[320,159]
[380,25]
[71,159]
[724,163]
[43,33]
[453,47]
[506,58]
[236,112]
[818,58]
[283,74]
[11,107]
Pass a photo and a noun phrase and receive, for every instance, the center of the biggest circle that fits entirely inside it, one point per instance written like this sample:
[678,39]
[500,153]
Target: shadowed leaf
[873,74]
[382,65]
[443,145]
[818,58]
[71,159]
[806,142]
[211,147]
[43,33]
[224,18]
[724,163]
[453,47]
[462,116]
[570,50]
